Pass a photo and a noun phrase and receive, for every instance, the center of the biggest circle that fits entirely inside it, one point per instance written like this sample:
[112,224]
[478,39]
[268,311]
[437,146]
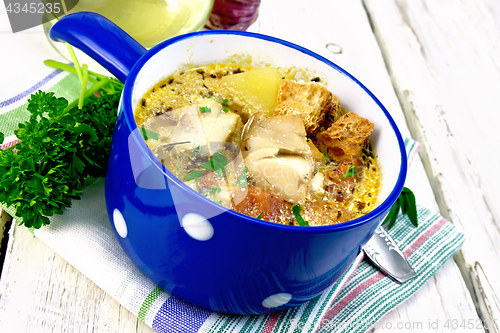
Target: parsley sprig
[406,202]
[57,152]
[242,181]
[62,146]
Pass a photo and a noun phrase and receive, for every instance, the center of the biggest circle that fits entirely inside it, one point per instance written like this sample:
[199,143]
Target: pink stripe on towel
[271,323]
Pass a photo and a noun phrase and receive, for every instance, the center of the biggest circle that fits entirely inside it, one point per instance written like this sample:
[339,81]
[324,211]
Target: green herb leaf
[2,137]
[225,102]
[403,202]
[86,129]
[195,151]
[225,110]
[214,190]
[411,205]
[193,175]
[207,165]
[216,163]
[406,201]
[243,178]
[147,134]
[350,173]
[260,216]
[393,214]
[205,109]
[83,83]
[296,211]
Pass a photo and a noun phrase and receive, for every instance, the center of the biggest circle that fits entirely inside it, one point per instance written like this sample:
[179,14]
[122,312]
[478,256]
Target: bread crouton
[311,101]
[343,141]
[333,114]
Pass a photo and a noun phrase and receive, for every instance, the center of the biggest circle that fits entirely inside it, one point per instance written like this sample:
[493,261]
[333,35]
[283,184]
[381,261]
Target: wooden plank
[41,292]
[5,223]
[443,58]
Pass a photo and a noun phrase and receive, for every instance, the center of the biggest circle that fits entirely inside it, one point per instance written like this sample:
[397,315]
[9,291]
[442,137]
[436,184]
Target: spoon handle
[385,254]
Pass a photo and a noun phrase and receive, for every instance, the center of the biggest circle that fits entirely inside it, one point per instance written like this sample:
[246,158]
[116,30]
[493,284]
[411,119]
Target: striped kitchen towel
[355,302]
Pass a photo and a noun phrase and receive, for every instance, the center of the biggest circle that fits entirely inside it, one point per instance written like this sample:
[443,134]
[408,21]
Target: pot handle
[100,39]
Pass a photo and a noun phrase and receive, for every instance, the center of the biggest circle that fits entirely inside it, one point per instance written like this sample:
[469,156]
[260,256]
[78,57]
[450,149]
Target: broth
[262,143]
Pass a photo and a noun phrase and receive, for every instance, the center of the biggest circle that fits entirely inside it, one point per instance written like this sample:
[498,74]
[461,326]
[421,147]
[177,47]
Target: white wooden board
[41,292]
[443,58]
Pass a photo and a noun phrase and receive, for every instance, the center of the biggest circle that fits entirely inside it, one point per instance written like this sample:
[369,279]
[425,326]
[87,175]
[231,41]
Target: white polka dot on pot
[119,222]
[197,227]
[276,300]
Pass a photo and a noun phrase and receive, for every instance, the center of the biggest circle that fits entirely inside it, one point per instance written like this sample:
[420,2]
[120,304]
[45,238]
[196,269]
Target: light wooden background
[435,64]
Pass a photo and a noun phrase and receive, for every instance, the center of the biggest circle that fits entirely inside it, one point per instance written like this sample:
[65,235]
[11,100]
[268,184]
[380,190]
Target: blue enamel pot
[190,246]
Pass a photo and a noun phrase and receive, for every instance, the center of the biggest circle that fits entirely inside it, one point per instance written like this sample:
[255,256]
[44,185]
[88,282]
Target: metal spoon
[385,254]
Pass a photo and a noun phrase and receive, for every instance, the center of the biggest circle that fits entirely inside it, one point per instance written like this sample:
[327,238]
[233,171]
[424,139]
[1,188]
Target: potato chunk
[311,101]
[343,141]
[258,87]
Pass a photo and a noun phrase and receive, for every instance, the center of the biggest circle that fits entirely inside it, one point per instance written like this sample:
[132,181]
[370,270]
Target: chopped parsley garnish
[260,216]
[205,109]
[214,190]
[193,175]
[147,134]
[405,201]
[195,151]
[217,164]
[224,102]
[296,211]
[243,178]
[350,173]
[225,110]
